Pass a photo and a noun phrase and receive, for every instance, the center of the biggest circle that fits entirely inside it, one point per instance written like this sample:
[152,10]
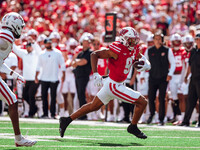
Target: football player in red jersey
[188,43]
[177,77]
[121,56]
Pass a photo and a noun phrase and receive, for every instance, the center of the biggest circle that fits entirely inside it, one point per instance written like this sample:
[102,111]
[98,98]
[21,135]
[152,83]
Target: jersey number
[128,65]
[178,61]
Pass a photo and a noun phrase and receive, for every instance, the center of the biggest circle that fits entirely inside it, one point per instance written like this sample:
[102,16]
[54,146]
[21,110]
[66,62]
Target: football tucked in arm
[138,64]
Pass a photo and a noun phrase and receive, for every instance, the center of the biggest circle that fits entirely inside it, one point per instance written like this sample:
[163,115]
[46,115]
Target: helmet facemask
[188,46]
[131,42]
[176,44]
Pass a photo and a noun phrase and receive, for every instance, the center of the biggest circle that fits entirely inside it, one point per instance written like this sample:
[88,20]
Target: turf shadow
[117,144]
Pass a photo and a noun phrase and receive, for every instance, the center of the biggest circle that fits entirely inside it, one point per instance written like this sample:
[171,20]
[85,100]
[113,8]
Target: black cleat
[149,119]
[184,124]
[64,122]
[133,129]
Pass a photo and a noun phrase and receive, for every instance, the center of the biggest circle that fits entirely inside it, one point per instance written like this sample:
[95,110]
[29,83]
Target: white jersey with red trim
[7,38]
[6,42]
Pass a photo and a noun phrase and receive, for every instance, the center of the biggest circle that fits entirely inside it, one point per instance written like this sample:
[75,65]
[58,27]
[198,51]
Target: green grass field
[98,135]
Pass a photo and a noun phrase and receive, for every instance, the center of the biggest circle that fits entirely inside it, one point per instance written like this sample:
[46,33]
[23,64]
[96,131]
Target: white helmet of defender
[13,22]
[176,41]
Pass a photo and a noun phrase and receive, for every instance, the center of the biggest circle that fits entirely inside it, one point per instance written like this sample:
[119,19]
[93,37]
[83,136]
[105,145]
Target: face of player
[96,45]
[55,42]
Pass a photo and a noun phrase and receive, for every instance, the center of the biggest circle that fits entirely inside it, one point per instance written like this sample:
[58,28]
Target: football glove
[145,66]
[97,79]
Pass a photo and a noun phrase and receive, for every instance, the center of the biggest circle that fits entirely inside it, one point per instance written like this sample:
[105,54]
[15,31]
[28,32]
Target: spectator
[82,70]
[163,25]
[49,62]
[161,59]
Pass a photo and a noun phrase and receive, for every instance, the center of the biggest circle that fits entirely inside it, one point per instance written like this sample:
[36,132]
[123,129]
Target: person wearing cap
[48,64]
[82,70]
[194,85]
[162,67]
[30,58]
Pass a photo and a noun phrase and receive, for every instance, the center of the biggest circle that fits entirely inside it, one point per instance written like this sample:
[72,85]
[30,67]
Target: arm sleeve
[15,61]
[115,48]
[4,68]
[172,62]
[62,63]
[19,52]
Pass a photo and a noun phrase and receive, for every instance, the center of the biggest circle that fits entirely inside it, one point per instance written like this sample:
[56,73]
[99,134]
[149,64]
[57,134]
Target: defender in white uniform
[11,27]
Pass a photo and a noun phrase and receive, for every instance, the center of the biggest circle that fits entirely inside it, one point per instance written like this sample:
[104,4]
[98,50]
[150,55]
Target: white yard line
[98,123]
[94,137]
[107,147]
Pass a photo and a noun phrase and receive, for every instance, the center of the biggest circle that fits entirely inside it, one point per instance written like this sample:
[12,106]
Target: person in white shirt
[30,58]
[11,27]
[49,62]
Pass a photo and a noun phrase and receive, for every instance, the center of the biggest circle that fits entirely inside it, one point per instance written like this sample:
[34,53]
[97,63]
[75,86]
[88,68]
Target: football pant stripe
[127,96]
[4,95]
[116,94]
[9,98]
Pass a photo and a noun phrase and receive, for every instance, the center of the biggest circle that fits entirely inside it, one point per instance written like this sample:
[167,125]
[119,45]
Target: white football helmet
[176,41]
[14,22]
[129,37]
[188,42]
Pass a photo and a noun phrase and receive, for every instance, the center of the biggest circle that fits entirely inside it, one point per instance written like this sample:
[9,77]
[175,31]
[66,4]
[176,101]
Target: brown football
[136,63]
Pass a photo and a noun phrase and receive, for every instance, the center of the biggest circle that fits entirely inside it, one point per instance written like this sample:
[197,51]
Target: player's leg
[140,106]
[89,107]
[128,95]
[8,96]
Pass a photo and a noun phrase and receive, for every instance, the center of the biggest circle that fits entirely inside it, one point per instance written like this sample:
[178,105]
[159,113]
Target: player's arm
[103,54]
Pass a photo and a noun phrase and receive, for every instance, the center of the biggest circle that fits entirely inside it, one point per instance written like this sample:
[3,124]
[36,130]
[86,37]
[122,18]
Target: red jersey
[101,66]
[186,59]
[120,67]
[179,59]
